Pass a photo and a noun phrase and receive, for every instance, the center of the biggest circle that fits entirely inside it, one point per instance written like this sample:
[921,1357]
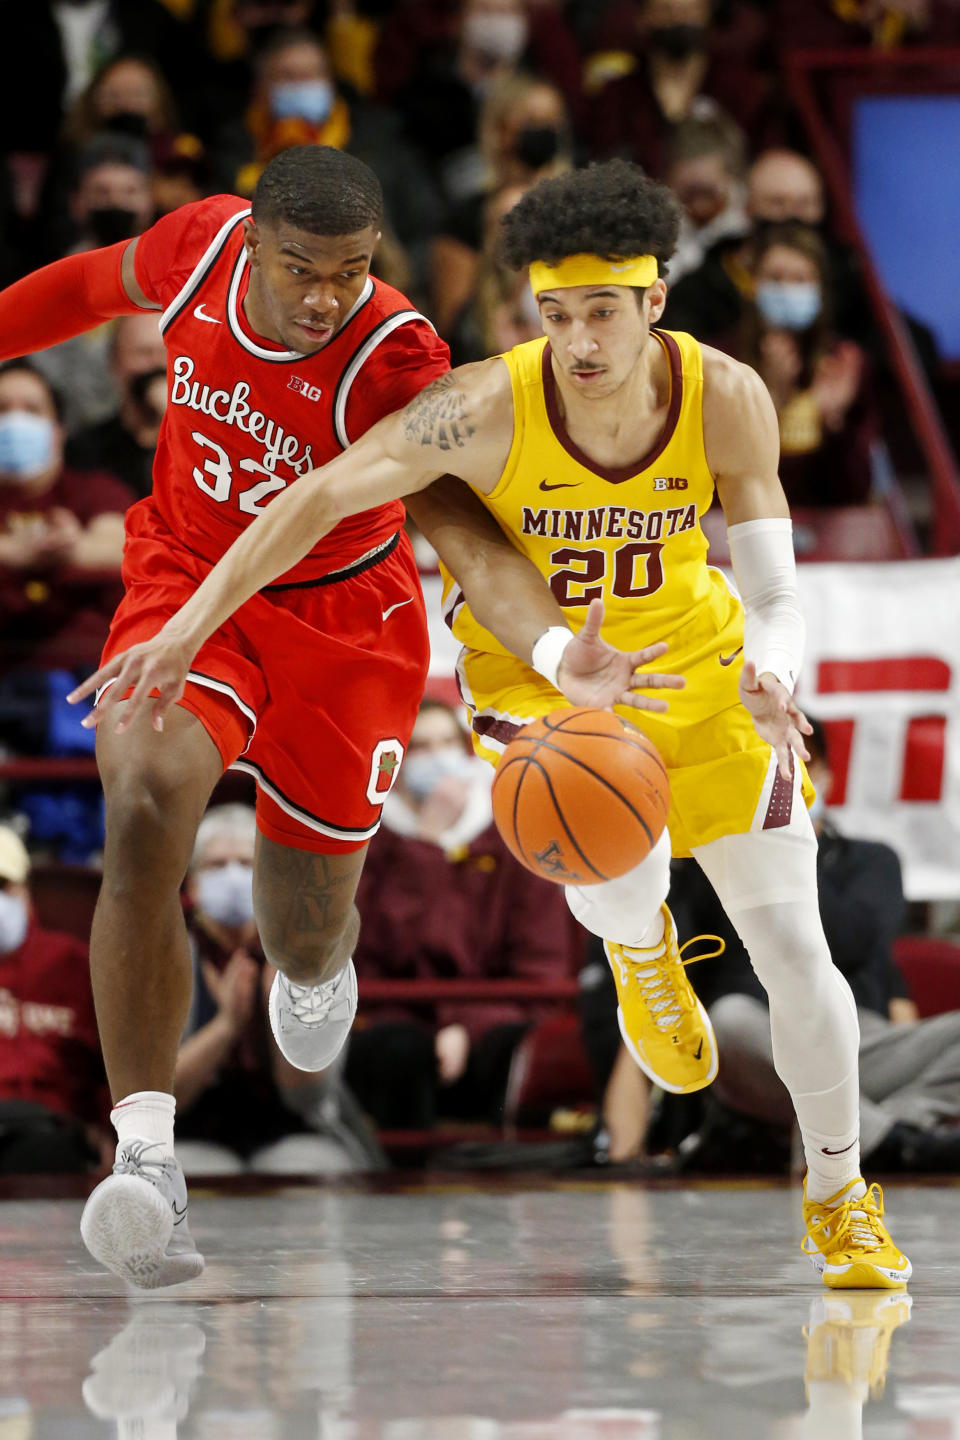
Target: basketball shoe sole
[135,1221]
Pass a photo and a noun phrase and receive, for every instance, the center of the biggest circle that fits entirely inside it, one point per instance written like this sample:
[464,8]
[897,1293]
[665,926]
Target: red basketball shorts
[313,689]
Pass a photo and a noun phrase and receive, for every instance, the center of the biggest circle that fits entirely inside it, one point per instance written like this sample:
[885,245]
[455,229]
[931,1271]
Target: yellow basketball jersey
[631,537]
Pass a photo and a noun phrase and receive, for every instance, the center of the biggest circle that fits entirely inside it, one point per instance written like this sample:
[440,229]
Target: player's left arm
[742,442]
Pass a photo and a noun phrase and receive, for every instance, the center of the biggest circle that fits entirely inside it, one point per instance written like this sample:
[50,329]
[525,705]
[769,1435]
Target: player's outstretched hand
[159,664]
[594,673]
[776,716]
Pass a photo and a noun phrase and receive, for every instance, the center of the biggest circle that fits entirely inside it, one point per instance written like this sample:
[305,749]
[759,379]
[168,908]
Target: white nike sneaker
[135,1222]
[310,1023]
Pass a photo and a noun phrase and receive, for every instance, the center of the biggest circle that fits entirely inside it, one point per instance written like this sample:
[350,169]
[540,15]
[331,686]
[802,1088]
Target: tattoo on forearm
[438,416]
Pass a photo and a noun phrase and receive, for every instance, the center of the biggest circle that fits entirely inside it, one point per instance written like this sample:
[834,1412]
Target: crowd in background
[115,112]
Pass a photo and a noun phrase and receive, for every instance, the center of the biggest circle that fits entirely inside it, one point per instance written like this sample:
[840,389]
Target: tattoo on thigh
[438,416]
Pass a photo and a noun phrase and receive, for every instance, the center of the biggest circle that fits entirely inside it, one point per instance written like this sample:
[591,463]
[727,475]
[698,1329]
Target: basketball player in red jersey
[282,351]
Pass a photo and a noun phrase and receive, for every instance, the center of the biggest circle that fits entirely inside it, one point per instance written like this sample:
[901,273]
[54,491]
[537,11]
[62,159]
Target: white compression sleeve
[761,552]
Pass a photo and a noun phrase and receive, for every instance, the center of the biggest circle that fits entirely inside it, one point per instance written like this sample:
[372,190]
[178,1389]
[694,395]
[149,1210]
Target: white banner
[882,671]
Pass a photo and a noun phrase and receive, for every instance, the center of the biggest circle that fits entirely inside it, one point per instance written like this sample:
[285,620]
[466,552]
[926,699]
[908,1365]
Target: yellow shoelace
[858,1221]
[667,993]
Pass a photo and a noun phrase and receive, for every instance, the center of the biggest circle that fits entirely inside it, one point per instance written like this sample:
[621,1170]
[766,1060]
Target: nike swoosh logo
[729,659]
[399,606]
[699,1050]
[825,1151]
[198,311]
[563,485]
[179,1213]
[619,269]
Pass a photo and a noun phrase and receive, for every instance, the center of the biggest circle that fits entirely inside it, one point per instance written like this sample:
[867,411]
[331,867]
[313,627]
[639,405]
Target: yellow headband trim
[638,270]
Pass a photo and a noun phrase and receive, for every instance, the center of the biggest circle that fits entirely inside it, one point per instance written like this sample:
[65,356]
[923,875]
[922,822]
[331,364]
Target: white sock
[652,937]
[828,1171]
[145,1115]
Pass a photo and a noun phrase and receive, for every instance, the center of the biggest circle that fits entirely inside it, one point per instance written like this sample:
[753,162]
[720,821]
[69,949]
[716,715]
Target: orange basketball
[580,797]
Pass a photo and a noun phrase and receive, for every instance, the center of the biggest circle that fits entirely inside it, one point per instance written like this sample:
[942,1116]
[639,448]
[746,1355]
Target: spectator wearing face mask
[125,443]
[710,301]
[112,200]
[296,100]
[130,96]
[441,897]
[436,62]
[240,1106]
[55,524]
[524,137]
[828,421]
[53,1096]
[671,70]
[705,170]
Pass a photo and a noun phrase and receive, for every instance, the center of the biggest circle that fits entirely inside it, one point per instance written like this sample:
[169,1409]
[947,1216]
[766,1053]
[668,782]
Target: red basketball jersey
[246,417]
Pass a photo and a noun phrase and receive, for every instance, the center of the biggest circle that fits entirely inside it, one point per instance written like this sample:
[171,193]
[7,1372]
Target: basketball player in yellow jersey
[598,450]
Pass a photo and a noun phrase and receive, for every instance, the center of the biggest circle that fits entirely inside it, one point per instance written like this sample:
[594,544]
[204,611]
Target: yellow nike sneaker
[663,1024]
[848,1340]
[848,1243]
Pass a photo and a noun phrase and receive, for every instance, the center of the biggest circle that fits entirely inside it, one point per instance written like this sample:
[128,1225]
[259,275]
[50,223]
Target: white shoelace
[135,1159]
[312,1004]
[660,998]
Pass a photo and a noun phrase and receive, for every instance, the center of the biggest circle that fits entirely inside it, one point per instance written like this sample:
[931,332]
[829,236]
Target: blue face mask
[14,919]
[792,305]
[424,769]
[26,444]
[302,100]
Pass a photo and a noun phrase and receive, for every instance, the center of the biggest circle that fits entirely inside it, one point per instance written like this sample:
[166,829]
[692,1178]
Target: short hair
[56,396]
[229,820]
[108,148]
[712,132]
[318,189]
[611,210]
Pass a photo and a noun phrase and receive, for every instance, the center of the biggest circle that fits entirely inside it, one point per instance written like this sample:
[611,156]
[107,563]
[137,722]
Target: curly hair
[319,189]
[611,210]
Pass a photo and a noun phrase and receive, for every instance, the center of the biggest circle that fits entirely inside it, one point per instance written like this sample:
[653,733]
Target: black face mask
[112,223]
[139,386]
[128,122]
[537,145]
[678,42]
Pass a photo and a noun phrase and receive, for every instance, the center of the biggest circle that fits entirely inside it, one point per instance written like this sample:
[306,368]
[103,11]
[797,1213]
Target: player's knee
[624,908]
[151,817]
[308,955]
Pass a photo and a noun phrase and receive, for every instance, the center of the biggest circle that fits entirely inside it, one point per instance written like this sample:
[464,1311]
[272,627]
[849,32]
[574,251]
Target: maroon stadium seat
[931,969]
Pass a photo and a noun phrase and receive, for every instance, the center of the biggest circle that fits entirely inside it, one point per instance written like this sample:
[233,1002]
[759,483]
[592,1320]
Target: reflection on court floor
[453,1311]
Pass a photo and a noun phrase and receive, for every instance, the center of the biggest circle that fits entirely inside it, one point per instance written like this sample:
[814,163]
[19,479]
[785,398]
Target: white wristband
[548,650]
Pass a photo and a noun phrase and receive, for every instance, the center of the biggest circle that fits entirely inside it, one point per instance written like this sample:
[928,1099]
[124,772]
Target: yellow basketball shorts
[723,778]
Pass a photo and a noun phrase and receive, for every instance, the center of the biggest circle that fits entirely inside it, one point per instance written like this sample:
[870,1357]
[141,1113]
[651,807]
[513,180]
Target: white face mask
[424,769]
[14,919]
[225,893]
[499,37]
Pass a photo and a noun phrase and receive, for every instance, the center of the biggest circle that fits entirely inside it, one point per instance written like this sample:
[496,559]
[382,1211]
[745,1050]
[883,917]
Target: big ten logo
[894,752]
[304,388]
[670,482]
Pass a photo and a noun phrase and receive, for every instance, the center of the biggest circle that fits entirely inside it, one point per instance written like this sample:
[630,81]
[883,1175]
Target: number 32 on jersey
[219,467]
